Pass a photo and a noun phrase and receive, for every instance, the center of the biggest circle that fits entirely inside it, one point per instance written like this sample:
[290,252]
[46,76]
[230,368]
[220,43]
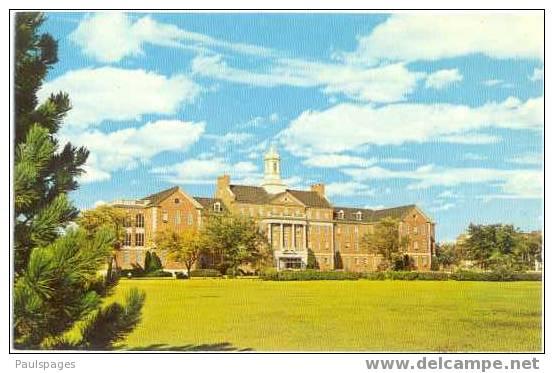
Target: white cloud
[337,160]
[205,171]
[342,160]
[443,78]
[230,139]
[447,194]
[538,74]
[345,189]
[517,183]
[475,157]
[381,84]
[469,138]
[492,82]
[109,93]
[260,121]
[127,148]
[100,203]
[346,127]
[109,37]
[443,207]
[412,37]
[528,159]
[93,174]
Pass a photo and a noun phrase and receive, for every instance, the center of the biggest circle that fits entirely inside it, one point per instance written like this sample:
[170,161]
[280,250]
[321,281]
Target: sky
[441,110]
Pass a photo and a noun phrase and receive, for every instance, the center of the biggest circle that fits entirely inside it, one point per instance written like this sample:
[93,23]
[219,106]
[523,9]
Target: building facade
[301,225]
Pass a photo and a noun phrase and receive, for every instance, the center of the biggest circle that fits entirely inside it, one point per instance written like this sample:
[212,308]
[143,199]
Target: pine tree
[57,285]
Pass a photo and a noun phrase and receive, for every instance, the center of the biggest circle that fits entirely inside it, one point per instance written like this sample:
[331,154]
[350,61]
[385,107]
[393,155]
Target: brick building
[298,223]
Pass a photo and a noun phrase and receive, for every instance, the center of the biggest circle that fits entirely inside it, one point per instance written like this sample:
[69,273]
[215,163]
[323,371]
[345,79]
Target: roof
[258,195]
[369,215]
[309,198]
[250,194]
[207,202]
[156,198]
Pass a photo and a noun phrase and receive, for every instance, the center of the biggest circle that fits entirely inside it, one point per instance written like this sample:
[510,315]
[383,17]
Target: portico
[288,238]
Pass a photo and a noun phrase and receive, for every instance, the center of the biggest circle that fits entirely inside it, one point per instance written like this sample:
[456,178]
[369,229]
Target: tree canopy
[57,266]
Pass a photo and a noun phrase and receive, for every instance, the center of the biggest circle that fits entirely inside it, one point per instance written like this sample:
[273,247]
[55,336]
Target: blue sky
[445,111]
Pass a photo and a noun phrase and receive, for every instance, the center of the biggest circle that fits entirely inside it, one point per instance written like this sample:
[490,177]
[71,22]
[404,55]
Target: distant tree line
[493,247]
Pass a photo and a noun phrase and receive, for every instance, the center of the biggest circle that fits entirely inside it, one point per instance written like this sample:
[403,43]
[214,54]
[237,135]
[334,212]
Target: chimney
[319,189]
[223,183]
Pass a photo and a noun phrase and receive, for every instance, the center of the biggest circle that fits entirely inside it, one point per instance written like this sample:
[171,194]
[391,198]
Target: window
[139,221]
[127,221]
[177,217]
[415,230]
[416,246]
[190,219]
[127,241]
[139,257]
[341,214]
[127,257]
[139,239]
[326,260]
[217,207]
[165,217]
[359,215]
[177,201]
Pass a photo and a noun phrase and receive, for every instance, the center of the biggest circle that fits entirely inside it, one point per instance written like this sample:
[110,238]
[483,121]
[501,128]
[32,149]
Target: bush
[205,273]
[498,275]
[140,273]
[158,273]
[181,275]
[309,275]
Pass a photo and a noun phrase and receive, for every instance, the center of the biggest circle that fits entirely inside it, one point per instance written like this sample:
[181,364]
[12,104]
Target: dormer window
[341,214]
[217,207]
[177,201]
[359,215]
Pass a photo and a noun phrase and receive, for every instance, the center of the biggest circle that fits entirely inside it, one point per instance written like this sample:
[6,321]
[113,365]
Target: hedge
[496,276]
[311,275]
[205,273]
[139,272]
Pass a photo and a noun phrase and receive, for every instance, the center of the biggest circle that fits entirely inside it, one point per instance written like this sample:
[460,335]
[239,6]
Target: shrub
[528,276]
[205,273]
[375,276]
[158,273]
[498,275]
[139,273]
[309,275]
[181,275]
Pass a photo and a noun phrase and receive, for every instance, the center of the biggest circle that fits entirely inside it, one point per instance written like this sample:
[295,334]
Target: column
[294,236]
[269,235]
[282,237]
[304,238]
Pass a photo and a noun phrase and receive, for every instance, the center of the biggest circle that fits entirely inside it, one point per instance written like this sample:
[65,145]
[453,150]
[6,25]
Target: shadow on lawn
[225,346]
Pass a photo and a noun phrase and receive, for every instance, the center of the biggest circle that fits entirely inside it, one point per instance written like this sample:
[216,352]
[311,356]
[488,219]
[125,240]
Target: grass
[231,315]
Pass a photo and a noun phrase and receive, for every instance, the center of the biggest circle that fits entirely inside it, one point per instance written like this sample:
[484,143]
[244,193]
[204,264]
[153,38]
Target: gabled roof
[369,215]
[208,203]
[258,195]
[310,198]
[156,198]
[250,194]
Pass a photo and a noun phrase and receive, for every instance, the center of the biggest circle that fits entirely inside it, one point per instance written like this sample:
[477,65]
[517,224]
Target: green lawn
[217,314]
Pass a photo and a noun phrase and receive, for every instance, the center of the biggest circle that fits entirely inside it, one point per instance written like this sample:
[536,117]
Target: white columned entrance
[282,239]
